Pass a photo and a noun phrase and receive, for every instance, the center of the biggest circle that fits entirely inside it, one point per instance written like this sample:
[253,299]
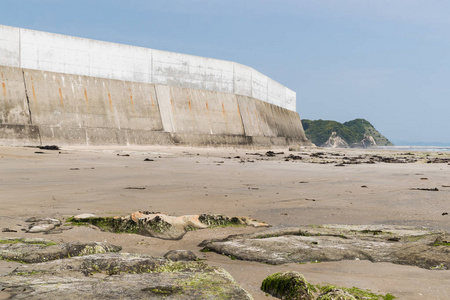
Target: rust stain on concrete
[34,92]
[192,114]
[3,85]
[151,98]
[110,101]
[131,97]
[61,97]
[171,103]
[86,97]
[4,89]
[207,108]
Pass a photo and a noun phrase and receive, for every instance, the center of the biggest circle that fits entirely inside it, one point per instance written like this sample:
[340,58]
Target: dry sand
[184,181]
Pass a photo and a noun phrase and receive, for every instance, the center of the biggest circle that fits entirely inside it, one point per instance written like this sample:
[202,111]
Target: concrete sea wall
[61,90]
[37,50]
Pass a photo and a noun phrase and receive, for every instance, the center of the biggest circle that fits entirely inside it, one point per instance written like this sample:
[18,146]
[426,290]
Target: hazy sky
[387,61]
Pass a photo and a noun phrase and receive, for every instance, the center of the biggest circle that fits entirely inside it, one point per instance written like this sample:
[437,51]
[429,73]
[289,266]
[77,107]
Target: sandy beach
[234,182]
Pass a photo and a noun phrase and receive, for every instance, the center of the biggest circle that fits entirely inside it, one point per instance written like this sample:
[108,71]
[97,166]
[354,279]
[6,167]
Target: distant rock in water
[367,141]
[357,133]
[335,141]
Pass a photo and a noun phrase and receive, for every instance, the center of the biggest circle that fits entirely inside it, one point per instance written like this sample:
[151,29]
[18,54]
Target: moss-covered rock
[331,292]
[336,294]
[40,250]
[120,276]
[293,286]
[403,245]
[288,286]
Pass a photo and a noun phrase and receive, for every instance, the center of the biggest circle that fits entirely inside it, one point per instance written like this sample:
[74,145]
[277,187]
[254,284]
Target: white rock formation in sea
[335,141]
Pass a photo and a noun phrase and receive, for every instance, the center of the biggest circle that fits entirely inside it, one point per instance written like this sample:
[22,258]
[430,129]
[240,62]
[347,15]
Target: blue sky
[387,61]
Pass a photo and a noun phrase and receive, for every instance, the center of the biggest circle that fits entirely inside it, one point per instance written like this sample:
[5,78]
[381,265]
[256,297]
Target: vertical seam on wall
[26,95]
[20,48]
[159,108]
[151,68]
[240,114]
[234,77]
[251,83]
[28,104]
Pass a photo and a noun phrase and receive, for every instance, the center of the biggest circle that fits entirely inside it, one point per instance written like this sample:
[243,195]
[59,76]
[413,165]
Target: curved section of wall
[40,107]
[36,50]
[65,90]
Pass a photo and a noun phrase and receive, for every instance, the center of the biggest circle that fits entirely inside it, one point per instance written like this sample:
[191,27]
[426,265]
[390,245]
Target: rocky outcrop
[181,255]
[335,141]
[35,250]
[354,131]
[396,244]
[366,142]
[161,225]
[119,276]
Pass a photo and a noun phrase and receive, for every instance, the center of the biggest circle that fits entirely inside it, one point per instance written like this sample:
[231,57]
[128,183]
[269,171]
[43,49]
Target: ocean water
[416,148]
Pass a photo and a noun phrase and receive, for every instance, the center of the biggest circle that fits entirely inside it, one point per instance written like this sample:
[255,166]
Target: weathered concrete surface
[15,122]
[13,97]
[84,92]
[383,243]
[43,51]
[19,135]
[120,276]
[81,110]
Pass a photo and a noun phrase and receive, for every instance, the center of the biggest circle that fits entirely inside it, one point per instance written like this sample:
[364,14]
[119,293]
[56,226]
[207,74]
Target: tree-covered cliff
[319,131]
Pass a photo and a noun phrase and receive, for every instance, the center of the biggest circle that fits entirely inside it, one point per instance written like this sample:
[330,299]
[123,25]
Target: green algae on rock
[121,276]
[293,286]
[331,292]
[160,225]
[288,286]
[405,245]
[26,250]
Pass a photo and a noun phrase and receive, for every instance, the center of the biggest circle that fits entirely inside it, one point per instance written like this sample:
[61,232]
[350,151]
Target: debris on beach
[337,158]
[44,225]
[49,147]
[425,189]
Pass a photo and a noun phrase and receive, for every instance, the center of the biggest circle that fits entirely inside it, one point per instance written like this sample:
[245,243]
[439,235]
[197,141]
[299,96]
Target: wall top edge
[132,46]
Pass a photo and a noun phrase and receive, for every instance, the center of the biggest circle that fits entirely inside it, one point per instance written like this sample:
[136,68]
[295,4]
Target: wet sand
[182,181]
